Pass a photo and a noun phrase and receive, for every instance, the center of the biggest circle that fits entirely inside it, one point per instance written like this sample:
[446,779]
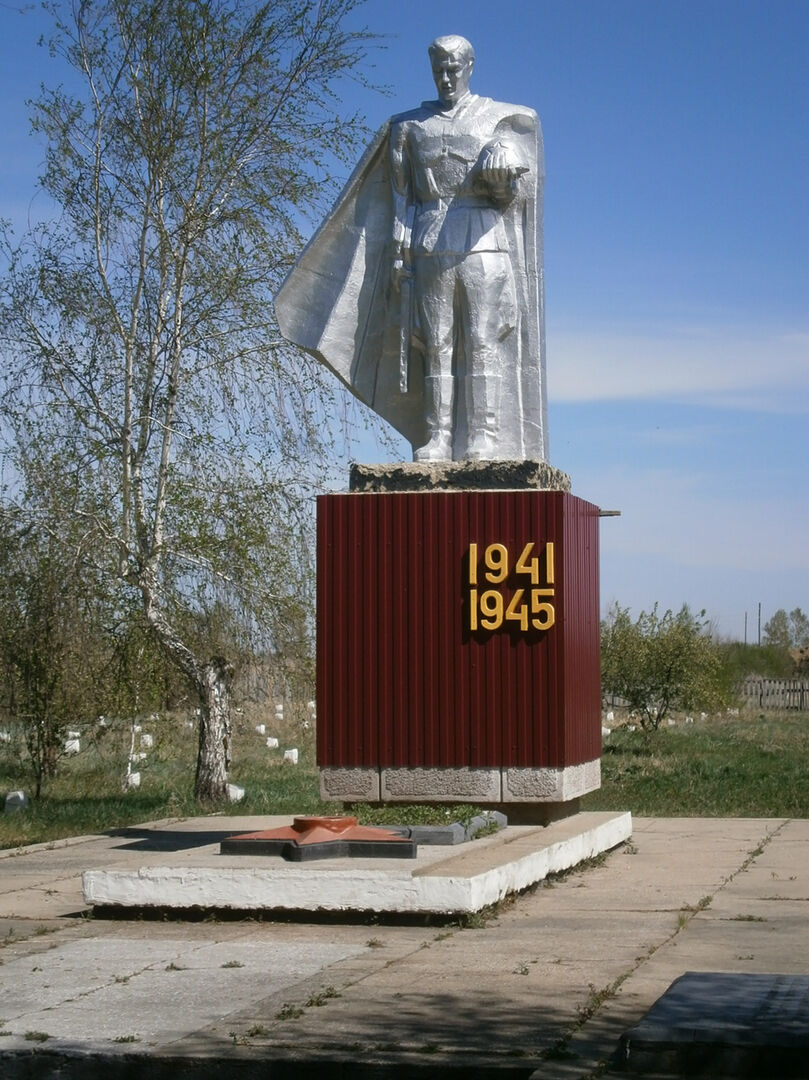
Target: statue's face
[452,75]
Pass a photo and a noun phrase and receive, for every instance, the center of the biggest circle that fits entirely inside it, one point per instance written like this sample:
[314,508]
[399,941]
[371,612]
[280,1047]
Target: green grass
[86,795]
[746,766]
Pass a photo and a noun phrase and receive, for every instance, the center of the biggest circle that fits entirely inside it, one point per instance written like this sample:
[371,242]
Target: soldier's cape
[338,302]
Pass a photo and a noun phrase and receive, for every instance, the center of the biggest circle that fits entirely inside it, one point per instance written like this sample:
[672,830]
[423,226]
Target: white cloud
[726,369]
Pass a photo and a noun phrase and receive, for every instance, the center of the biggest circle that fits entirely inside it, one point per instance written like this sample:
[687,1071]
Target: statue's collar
[453,110]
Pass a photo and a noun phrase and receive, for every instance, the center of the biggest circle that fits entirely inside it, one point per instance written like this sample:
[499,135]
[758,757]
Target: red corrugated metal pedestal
[458,647]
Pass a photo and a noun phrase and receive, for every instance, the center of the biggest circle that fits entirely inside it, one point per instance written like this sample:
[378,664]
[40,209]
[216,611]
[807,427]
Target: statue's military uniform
[465,291]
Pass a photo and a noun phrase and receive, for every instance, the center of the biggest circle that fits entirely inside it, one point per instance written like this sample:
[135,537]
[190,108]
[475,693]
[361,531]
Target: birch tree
[144,375]
[787,631]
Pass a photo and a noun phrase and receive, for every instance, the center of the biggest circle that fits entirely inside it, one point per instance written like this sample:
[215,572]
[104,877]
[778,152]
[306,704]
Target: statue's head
[453,60]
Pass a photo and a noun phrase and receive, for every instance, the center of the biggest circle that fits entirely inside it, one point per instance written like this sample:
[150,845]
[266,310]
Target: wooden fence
[776,693]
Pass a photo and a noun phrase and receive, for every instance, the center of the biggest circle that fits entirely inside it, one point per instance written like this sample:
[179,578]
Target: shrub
[661,662]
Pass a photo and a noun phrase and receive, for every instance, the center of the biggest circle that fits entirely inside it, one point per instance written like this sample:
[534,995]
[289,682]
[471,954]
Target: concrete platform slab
[469,879]
[544,986]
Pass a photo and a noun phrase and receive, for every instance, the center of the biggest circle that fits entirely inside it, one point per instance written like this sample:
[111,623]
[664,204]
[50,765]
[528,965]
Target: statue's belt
[452,202]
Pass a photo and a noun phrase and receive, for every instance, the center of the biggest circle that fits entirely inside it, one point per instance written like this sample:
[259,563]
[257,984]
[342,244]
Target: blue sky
[676,260]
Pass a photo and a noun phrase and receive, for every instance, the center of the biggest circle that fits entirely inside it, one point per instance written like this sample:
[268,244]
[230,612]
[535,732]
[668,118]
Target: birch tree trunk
[213,682]
[213,757]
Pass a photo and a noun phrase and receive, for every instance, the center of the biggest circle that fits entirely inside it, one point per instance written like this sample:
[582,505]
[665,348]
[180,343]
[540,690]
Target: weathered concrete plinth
[439,881]
[458,476]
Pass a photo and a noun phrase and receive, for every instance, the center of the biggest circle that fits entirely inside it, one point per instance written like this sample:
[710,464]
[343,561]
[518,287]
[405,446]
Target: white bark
[213,758]
[213,682]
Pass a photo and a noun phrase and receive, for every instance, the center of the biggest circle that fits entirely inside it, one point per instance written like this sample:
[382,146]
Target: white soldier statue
[423,288]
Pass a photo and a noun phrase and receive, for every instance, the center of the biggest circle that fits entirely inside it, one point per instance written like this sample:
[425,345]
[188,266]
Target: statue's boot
[438,401]
[483,416]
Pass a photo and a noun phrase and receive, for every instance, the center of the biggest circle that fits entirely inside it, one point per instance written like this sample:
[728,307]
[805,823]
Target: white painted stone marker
[16,800]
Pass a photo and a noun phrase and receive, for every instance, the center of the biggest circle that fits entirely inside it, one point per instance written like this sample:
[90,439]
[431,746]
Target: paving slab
[108,989]
[545,987]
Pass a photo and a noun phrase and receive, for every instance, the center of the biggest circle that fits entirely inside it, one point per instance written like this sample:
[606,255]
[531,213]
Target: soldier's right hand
[499,169]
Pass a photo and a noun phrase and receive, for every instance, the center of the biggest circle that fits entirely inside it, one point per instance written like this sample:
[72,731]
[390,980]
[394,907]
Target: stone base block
[441,785]
[712,1024]
[350,785]
[551,785]
[486,786]
[458,476]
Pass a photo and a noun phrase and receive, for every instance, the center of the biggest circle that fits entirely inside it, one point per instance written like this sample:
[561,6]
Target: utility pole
[759,622]
[745,627]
